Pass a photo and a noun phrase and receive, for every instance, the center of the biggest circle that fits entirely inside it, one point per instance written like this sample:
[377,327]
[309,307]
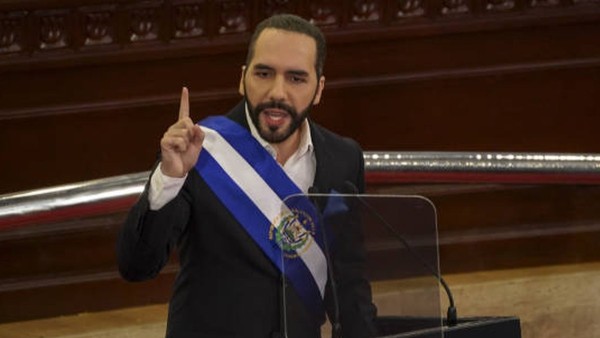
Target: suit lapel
[238,114]
[322,154]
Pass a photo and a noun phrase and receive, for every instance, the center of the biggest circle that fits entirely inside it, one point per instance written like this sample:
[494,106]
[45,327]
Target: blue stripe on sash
[244,210]
[264,164]
[254,153]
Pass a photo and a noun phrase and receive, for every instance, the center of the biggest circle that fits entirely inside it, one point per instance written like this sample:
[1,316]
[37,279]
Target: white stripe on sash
[265,199]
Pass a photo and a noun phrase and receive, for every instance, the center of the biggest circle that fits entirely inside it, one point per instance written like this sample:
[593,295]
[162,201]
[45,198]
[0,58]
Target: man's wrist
[163,188]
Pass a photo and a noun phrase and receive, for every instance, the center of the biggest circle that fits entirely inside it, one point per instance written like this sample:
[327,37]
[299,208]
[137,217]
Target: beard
[275,134]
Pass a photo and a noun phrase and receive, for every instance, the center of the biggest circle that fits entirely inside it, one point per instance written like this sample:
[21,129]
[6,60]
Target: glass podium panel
[337,249]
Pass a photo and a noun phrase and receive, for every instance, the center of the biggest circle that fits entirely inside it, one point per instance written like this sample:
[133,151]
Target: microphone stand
[336,326]
[451,314]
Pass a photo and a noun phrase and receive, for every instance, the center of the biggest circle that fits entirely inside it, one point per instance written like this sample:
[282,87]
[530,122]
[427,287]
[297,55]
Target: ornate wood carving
[12,26]
[234,17]
[189,20]
[71,27]
[454,7]
[409,9]
[53,30]
[366,11]
[144,23]
[98,25]
[323,13]
[499,5]
[544,3]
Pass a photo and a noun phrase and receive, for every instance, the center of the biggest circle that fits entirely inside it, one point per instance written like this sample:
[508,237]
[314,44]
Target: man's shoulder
[322,135]
[238,113]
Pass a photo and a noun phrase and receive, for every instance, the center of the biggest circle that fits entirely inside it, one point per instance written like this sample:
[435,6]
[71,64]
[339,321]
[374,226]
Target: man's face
[280,84]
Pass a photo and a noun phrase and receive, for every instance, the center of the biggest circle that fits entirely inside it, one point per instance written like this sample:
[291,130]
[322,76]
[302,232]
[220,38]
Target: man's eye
[261,74]
[298,79]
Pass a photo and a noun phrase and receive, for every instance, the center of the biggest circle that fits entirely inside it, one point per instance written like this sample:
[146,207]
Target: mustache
[276,105]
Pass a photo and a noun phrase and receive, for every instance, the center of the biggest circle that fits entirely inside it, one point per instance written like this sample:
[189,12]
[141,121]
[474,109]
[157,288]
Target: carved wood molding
[37,30]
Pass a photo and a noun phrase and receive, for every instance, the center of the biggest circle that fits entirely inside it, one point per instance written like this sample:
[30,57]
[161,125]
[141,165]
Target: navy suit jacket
[226,286]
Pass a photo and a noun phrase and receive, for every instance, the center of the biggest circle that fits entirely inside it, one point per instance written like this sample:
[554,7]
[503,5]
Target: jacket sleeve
[147,237]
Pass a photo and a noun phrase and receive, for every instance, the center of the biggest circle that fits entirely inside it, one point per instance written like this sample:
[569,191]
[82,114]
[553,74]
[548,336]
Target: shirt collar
[305,145]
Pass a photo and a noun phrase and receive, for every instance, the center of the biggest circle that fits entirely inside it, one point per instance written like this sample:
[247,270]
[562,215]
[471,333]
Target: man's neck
[288,147]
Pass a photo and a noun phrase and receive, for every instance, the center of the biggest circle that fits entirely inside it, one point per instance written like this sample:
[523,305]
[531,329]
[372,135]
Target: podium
[475,327]
[396,240]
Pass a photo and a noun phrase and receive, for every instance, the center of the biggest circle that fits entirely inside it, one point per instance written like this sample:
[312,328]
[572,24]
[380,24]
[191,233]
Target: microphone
[451,315]
[336,326]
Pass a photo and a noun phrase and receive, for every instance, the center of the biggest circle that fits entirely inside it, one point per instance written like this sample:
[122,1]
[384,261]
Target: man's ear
[320,87]
[241,87]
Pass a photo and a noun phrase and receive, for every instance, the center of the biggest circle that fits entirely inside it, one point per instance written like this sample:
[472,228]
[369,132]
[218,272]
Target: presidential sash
[254,187]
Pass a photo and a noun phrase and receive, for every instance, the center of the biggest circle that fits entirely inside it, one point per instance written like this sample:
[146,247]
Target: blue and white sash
[253,186]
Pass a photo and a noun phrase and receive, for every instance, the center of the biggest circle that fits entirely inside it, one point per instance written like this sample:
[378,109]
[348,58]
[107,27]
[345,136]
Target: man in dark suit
[230,284]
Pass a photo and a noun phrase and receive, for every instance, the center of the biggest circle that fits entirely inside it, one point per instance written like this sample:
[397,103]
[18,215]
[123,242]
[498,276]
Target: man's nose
[277,91]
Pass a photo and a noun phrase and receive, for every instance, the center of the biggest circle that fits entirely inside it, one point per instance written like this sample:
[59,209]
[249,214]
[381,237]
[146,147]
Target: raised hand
[182,142]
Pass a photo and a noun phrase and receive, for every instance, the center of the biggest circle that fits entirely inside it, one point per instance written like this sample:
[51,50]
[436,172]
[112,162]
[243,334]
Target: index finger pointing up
[184,104]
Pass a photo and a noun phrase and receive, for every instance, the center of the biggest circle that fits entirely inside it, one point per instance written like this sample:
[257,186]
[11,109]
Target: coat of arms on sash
[293,231]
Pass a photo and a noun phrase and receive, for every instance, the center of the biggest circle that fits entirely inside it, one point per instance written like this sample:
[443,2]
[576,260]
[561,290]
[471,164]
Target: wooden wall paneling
[49,250]
[483,227]
[472,113]
[79,89]
[76,147]
[460,52]
[70,267]
[94,293]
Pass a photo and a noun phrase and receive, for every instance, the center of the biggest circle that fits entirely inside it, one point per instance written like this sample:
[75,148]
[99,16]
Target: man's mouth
[275,117]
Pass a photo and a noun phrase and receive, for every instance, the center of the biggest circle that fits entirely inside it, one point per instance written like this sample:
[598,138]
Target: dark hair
[292,23]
